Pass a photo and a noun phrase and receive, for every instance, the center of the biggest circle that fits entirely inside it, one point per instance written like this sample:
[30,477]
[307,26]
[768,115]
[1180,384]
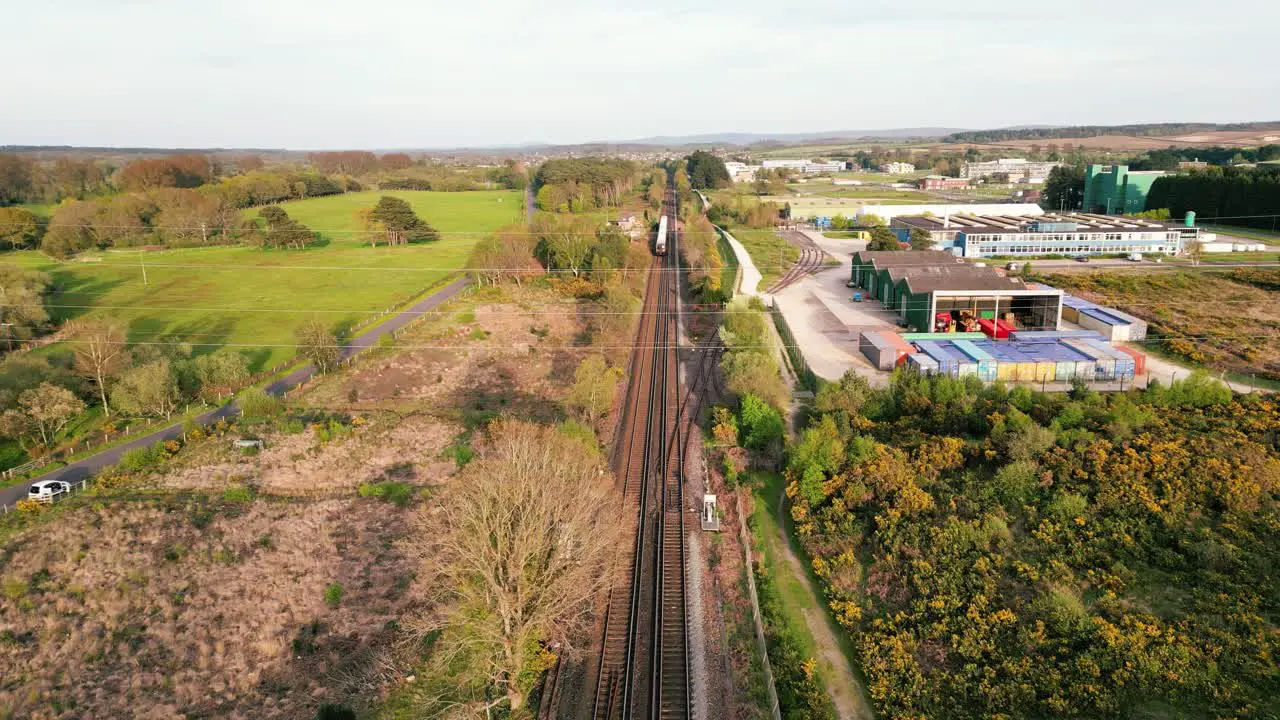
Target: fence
[808,380]
[74,488]
[755,612]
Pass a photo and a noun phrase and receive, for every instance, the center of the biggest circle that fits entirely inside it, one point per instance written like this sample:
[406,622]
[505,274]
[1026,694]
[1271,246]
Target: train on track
[660,242]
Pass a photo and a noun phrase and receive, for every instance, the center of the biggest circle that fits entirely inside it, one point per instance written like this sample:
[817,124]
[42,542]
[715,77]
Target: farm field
[1226,321]
[252,299]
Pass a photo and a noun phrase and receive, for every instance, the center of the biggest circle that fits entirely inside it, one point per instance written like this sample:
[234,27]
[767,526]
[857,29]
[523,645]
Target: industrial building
[898,168]
[931,288]
[938,182]
[888,212]
[807,167]
[1117,190]
[1067,234]
[1018,169]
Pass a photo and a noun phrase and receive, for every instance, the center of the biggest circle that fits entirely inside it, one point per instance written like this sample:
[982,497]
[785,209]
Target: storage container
[986,364]
[1139,360]
[921,362]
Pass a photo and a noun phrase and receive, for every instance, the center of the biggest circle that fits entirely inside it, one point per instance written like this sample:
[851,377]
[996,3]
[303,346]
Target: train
[660,242]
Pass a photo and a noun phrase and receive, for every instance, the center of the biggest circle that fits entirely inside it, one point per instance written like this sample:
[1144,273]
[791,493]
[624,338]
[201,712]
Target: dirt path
[846,690]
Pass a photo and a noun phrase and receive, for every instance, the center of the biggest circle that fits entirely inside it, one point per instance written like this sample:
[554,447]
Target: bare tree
[529,536]
[99,354]
[317,343]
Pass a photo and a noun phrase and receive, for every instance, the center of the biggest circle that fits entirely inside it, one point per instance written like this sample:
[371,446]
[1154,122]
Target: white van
[46,491]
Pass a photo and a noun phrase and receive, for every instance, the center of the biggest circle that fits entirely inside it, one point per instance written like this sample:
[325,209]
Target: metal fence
[75,488]
[808,380]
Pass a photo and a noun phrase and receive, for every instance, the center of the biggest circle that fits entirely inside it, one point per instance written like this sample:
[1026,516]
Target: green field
[334,216]
[1269,237]
[252,299]
[772,255]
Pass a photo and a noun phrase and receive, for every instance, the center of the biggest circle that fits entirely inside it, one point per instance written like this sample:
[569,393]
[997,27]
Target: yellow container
[1045,371]
[1026,371]
[1007,371]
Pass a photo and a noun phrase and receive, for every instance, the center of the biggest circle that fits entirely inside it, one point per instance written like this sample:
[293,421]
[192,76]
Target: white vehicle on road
[1135,257]
[46,491]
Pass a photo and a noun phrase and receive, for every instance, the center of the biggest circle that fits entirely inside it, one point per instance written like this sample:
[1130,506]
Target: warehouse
[921,286]
[1117,189]
[887,213]
[1067,234]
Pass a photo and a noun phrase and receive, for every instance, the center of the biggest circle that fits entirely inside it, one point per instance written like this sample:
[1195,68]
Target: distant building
[898,168]
[1196,164]
[741,172]
[1067,234]
[888,212]
[1028,196]
[1015,168]
[807,167]
[1116,190]
[938,182]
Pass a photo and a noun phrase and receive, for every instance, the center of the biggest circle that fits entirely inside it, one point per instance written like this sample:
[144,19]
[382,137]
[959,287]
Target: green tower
[1116,190]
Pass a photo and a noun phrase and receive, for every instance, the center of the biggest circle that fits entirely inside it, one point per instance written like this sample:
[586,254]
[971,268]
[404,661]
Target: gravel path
[846,690]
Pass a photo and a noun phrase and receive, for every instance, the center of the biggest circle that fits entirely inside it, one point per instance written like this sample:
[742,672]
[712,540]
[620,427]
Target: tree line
[1144,129]
[583,184]
[997,552]
[1238,196]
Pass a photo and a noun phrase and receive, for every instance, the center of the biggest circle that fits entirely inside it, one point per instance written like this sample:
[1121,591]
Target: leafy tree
[318,344]
[593,387]
[1064,188]
[258,403]
[23,297]
[883,239]
[402,225]
[15,178]
[221,372]
[19,227]
[762,426]
[283,231]
[148,389]
[70,229]
[42,411]
[706,171]
[101,351]
[921,239]
[1195,252]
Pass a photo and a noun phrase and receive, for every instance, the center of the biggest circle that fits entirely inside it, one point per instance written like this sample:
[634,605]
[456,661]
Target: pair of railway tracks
[643,669]
[810,261]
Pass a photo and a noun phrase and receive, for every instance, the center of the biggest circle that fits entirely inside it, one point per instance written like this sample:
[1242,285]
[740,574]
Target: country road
[86,467]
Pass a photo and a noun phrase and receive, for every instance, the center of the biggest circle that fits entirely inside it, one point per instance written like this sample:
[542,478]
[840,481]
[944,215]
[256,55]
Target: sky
[381,74]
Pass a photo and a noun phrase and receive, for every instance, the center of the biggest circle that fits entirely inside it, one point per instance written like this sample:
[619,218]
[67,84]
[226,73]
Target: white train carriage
[660,242]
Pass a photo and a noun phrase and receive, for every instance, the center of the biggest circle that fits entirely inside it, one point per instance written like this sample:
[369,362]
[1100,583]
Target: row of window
[1075,237]
[1033,248]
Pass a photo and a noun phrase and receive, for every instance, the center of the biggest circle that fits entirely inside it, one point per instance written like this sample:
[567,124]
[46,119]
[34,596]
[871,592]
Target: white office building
[1016,168]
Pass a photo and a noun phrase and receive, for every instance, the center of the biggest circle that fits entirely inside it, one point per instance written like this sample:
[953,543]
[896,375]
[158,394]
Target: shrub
[396,493]
[29,506]
[761,424]
[238,494]
[257,403]
[333,594]
[143,459]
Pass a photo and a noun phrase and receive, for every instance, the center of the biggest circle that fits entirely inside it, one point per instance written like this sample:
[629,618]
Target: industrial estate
[910,424]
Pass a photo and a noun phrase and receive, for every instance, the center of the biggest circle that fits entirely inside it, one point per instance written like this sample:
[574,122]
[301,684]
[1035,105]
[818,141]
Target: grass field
[334,216]
[254,299]
[729,271]
[772,255]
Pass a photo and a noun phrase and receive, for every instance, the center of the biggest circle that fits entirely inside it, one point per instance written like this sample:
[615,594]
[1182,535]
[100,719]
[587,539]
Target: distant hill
[1084,131]
[731,138]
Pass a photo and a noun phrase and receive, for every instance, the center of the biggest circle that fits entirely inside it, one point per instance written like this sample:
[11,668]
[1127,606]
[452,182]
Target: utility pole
[204,234]
[142,261]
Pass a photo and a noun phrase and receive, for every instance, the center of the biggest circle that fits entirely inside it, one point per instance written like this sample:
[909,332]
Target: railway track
[811,260]
[643,669]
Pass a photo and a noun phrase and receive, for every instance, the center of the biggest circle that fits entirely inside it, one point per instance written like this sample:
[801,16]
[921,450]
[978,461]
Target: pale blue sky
[378,74]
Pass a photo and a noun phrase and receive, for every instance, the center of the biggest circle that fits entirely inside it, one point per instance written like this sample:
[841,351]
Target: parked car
[1135,257]
[1013,267]
[1082,258]
[47,491]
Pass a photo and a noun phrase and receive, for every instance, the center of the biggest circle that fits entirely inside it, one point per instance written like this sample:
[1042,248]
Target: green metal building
[917,286]
[1117,190]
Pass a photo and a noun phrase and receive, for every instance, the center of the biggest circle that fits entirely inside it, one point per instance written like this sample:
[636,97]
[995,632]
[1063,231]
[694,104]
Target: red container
[1139,360]
[995,329]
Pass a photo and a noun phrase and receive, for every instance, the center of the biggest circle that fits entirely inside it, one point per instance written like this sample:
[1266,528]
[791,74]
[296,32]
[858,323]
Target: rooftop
[1010,223]
[881,259]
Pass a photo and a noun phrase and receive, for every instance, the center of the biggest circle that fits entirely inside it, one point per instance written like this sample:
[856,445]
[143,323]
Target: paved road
[81,469]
